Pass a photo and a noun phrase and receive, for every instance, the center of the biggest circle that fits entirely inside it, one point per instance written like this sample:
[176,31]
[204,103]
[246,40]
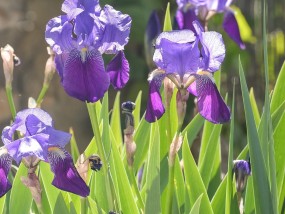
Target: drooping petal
[155,108]
[192,89]
[28,146]
[185,19]
[5,165]
[66,176]
[210,103]
[118,70]
[116,31]
[59,63]
[84,76]
[58,34]
[178,58]
[231,27]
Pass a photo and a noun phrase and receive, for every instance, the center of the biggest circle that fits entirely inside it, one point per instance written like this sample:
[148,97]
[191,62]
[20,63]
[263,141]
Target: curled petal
[231,27]
[66,176]
[116,31]
[59,34]
[210,103]
[155,108]
[185,19]
[118,70]
[5,165]
[84,76]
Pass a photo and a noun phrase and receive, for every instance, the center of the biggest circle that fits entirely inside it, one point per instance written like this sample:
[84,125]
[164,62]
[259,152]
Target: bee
[95,162]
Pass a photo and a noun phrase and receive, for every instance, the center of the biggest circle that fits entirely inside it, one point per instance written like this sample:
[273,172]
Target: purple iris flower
[179,57]
[5,165]
[38,136]
[203,10]
[79,39]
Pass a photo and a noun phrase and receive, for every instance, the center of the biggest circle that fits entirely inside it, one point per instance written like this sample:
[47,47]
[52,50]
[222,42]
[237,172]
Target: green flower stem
[95,127]
[168,126]
[11,101]
[42,94]
[135,187]
[171,165]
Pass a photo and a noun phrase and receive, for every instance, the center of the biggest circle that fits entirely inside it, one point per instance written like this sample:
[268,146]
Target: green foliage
[198,187]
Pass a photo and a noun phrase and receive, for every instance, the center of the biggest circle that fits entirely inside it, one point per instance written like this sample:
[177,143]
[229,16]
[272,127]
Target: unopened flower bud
[174,148]
[130,148]
[127,109]
[181,99]
[242,170]
[9,61]
[50,67]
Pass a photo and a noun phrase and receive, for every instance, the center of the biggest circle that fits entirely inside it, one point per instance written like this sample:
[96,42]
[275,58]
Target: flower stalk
[95,127]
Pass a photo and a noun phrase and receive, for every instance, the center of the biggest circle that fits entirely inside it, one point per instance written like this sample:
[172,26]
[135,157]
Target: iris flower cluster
[203,10]
[79,38]
[39,141]
[189,60]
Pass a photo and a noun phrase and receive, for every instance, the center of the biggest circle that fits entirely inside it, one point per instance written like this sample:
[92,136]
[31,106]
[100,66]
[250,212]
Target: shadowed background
[22,25]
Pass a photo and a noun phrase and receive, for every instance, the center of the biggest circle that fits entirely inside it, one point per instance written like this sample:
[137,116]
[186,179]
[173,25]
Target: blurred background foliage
[22,25]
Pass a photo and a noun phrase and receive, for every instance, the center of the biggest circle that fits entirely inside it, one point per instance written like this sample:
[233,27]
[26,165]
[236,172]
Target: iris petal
[210,103]
[174,57]
[66,176]
[231,27]
[118,70]
[59,34]
[5,165]
[85,78]
[116,32]
[185,19]
[155,108]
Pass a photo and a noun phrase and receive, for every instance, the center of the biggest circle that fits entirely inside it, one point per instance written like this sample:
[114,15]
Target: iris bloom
[79,39]
[42,141]
[189,61]
[203,10]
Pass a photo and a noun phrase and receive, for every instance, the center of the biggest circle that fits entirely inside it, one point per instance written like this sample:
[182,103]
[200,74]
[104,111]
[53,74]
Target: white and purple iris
[189,61]
[41,141]
[79,39]
[202,10]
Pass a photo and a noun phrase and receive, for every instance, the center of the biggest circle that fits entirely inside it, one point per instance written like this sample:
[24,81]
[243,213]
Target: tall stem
[11,101]
[42,94]
[95,127]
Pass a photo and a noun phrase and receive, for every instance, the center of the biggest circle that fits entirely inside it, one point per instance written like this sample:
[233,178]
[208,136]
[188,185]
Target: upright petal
[231,27]
[118,70]
[155,108]
[210,103]
[66,176]
[176,57]
[5,165]
[59,34]
[185,18]
[116,31]
[89,6]
[84,77]
[218,5]
[153,29]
